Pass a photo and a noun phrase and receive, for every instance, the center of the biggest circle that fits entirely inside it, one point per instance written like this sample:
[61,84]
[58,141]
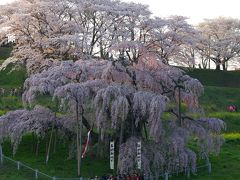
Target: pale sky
[196,10]
[5,1]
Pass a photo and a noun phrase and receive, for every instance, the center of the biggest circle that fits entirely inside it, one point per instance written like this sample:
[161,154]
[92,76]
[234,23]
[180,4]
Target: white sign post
[112,155]
[139,155]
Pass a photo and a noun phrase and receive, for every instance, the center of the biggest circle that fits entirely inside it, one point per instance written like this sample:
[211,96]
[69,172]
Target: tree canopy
[106,63]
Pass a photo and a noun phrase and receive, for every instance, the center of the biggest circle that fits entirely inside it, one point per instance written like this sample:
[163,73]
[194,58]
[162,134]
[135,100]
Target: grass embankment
[4,53]
[10,79]
[217,99]
[216,78]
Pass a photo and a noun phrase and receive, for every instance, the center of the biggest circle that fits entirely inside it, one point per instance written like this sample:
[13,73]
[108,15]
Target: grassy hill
[10,78]
[216,78]
[221,89]
[219,98]
[4,53]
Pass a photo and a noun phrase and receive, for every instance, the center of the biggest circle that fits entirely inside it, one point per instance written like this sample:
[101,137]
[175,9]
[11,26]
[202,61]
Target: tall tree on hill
[172,39]
[220,40]
[44,31]
[47,31]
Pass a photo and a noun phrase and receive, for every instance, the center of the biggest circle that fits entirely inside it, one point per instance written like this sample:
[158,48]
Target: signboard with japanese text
[112,155]
[139,155]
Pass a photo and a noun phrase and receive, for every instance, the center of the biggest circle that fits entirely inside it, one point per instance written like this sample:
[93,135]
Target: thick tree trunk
[94,136]
[218,67]
[224,66]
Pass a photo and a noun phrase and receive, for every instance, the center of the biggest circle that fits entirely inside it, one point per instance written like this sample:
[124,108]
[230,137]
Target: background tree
[44,32]
[171,39]
[220,40]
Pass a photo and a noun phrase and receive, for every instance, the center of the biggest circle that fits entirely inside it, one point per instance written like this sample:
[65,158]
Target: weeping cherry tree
[138,102]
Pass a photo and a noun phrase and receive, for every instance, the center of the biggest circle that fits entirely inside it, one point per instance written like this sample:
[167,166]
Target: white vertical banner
[139,158]
[112,155]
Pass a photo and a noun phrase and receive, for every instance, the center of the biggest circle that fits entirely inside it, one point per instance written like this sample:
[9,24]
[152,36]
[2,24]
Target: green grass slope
[10,78]
[4,53]
[219,98]
[216,78]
